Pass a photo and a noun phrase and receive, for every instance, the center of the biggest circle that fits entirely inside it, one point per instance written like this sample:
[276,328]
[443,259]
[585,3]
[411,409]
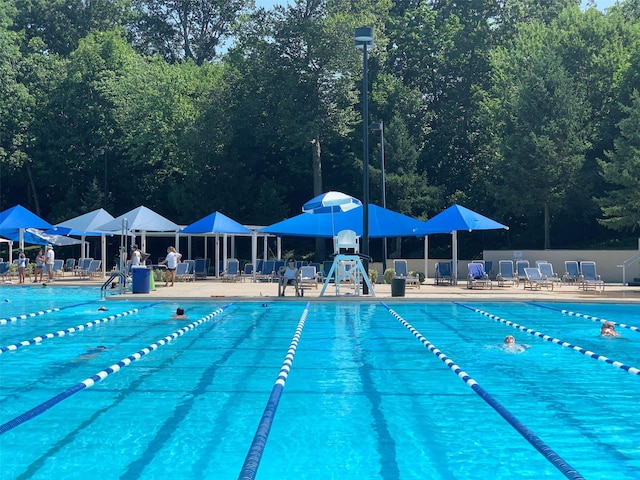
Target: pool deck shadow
[212,288]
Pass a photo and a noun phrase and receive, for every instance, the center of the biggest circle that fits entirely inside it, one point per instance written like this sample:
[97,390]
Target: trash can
[140,279]
[397,287]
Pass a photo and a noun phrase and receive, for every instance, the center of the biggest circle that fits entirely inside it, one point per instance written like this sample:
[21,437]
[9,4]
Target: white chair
[309,276]
[346,242]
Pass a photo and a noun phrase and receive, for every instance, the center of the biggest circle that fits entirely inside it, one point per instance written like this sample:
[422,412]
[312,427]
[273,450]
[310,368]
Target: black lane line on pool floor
[98,377]
[78,328]
[120,397]
[256,450]
[68,367]
[546,451]
[577,348]
[5,321]
[180,412]
[583,315]
[386,444]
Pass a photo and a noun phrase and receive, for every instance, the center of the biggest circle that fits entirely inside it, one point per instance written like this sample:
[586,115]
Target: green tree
[184,29]
[61,24]
[542,117]
[621,205]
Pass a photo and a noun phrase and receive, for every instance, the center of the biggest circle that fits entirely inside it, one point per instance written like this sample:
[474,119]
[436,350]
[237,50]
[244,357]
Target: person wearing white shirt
[171,261]
[50,259]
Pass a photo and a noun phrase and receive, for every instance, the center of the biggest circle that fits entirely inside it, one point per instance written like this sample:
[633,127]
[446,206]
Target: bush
[373,275]
[420,275]
[389,273]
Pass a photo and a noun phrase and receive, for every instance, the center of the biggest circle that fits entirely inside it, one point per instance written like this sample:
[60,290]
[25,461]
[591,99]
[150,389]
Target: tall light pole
[380,127]
[101,152]
[364,40]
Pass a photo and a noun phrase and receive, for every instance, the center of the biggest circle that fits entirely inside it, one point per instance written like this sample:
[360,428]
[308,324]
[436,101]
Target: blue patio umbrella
[455,218]
[35,236]
[216,223]
[331,202]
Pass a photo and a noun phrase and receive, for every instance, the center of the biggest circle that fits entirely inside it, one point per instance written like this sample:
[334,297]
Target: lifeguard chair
[347,267]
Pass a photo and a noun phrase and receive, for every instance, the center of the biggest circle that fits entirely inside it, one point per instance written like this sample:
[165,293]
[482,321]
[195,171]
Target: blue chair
[590,278]
[402,271]
[506,273]
[571,272]
[201,269]
[477,277]
[444,273]
[535,280]
[232,272]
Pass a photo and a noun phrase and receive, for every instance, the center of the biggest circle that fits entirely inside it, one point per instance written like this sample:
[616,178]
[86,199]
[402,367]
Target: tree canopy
[526,111]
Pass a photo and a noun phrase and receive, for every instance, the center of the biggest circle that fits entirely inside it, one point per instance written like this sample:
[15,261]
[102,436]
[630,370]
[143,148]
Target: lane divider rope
[78,328]
[582,315]
[98,377]
[546,451]
[577,348]
[252,461]
[5,321]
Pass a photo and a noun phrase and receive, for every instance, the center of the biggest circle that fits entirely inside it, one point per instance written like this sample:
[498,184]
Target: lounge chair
[182,272]
[247,271]
[571,272]
[401,269]
[535,280]
[69,264]
[506,273]
[232,271]
[82,269]
[444,274]
[201,268]
[520,266]
[546,269]
[5,268]
[58,268]
[309,276]
[477,277]
[590,278]
[94,268]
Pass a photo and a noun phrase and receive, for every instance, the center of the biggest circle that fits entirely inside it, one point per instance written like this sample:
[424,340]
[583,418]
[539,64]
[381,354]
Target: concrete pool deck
[212,288]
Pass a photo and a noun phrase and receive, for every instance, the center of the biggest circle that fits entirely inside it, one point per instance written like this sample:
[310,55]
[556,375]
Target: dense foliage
[526,111]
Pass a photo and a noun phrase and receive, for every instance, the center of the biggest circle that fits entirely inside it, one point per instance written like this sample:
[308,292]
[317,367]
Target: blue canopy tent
[19,218]
[382,223]
[86,225]
[216,223]
[140,220]
[455,218]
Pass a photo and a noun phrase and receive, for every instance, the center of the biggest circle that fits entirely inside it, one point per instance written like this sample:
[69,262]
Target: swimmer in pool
[608,330]
[102,308]
[511,345]
[179,314]
[92,352]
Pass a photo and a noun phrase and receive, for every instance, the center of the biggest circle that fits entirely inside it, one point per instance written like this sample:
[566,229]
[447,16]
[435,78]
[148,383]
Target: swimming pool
[364,398]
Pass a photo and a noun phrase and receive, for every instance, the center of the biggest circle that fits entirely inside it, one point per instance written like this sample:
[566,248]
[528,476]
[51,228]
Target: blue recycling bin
[140,279]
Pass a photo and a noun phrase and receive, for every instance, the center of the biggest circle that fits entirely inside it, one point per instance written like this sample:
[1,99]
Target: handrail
[628,262]
[121,276]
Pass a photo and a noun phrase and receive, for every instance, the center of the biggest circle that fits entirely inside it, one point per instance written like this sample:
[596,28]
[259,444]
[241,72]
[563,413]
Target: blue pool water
[364,398]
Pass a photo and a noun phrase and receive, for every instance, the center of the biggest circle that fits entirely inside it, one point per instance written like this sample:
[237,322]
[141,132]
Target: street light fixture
[364,41]
[380,127]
